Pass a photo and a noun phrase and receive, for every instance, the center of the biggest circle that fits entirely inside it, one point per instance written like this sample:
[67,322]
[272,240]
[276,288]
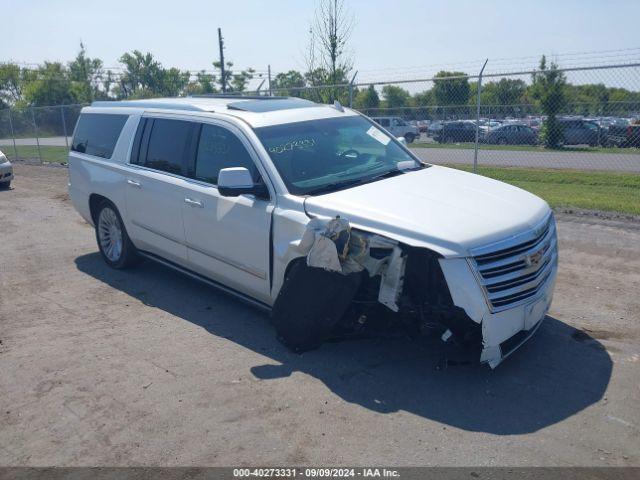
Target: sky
[390,39]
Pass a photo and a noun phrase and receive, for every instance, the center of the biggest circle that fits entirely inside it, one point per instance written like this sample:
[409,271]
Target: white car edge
[490,247]
[6,171]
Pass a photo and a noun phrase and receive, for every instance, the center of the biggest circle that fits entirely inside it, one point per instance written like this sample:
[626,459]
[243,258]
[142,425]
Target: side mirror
[402,140]
[236,181]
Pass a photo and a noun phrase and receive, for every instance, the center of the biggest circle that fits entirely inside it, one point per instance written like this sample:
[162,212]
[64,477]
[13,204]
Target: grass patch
[50,154]
[614,192]
[528,148]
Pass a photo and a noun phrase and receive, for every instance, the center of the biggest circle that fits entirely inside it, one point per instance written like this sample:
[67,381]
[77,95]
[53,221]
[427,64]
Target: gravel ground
[147,367]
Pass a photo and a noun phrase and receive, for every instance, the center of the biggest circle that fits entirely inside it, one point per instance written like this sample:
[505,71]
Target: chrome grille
[513,271]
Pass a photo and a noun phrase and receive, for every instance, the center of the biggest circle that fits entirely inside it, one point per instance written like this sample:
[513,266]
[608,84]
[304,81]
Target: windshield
[318,156]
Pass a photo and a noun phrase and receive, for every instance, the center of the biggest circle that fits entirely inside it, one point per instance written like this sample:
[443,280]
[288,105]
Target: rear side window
[169,143]
[97,133]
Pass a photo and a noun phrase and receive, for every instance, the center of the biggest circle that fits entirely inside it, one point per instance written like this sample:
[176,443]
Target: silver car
[6,171]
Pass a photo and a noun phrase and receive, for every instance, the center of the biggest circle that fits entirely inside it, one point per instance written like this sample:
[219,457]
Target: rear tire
[114,243]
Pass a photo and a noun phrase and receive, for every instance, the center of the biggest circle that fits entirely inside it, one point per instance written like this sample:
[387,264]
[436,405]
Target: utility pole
[223,79]
[269,73]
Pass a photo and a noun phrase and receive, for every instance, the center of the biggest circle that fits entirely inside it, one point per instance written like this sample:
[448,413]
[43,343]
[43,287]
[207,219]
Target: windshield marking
[290,145]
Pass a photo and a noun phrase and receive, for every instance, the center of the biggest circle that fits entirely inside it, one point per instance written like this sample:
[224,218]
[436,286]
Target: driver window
[218,148]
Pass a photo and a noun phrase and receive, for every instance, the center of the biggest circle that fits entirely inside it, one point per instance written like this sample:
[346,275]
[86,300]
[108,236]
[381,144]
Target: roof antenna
[338,106]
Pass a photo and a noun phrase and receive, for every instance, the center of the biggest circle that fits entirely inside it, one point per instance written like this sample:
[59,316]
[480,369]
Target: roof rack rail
[239,97]
[147,104]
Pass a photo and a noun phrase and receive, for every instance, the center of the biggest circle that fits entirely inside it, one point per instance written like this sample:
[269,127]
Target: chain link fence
[41,134]
[583,118]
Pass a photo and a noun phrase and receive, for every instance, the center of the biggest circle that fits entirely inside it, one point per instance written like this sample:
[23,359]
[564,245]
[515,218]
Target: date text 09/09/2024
[315,472]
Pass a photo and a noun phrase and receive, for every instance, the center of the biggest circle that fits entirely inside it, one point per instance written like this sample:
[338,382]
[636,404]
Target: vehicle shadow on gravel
[558,373]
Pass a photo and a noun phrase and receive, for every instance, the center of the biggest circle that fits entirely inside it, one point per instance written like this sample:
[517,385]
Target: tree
[203,84]
[145,77]
[86,75]
[328,62]
[548,90]
[507,94]
[452,89]
[423,99]
[395,97]
[48,85]
[10,84]
[240,80]
[288,84]
[592,99]
[367,98]
[233,82]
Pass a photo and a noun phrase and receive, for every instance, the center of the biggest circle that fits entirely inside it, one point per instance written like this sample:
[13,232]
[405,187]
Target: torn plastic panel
[349,280]
[336,247]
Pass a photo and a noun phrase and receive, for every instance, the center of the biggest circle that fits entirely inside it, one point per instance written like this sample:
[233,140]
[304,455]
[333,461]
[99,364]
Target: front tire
[5,185]
[114,243]
[409,137]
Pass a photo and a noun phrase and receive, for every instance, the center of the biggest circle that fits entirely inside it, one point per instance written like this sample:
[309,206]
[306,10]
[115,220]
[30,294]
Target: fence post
[351,89]
[64,126]
[479,91]
[13,135]
[35,129]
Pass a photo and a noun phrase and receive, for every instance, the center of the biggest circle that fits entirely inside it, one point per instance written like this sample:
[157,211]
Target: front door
[227,238]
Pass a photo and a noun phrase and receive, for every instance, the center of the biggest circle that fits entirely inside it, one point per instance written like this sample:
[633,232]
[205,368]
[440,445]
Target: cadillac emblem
[534,258]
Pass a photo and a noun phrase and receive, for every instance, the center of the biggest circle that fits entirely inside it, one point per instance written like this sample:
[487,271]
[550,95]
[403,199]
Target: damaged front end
[349,282]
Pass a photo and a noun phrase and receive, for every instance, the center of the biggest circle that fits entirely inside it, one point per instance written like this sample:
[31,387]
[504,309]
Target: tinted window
[383,121]
[168,145]
[97,133]
[219,148]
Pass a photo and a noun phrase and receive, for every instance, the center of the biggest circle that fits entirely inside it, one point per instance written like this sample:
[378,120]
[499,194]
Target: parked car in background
[434,128]
[398,127]
[457,131]
[624,135]
[6,171]
[512,134]
[577,131]
[423,126]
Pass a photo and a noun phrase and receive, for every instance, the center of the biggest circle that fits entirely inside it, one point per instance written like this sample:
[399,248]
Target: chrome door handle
[134,183]
[193,203]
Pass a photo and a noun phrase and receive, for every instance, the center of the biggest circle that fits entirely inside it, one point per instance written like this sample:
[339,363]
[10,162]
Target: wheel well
[94,202]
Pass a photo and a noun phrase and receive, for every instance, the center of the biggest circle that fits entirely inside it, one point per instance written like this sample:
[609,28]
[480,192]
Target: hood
[446,210]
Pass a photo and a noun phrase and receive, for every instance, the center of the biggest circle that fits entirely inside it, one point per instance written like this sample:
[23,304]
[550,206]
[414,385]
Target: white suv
[315,213]
[398,127]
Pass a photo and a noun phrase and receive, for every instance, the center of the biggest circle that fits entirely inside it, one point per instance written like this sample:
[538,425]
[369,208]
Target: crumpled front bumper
[505,331]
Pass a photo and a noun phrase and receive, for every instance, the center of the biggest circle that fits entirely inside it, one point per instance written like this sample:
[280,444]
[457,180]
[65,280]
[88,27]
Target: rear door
[156,183]
[227,238]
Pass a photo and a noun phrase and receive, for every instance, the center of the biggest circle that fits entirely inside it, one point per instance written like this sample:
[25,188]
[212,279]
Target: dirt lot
[147,367]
